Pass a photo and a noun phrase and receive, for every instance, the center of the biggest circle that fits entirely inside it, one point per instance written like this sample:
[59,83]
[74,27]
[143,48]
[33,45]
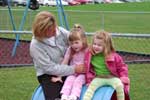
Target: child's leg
[67,85]
[117,84]
[77,86]
[96,83]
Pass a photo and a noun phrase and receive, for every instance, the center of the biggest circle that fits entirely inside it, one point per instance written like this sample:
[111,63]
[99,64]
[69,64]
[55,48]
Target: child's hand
[56,79]
[125,80]
[91,50]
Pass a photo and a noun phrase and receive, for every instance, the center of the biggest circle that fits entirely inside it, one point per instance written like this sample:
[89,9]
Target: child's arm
[65,61]
[67,56]
[122,69]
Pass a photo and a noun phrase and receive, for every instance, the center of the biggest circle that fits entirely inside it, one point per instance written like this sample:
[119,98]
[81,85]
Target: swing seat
[102,93]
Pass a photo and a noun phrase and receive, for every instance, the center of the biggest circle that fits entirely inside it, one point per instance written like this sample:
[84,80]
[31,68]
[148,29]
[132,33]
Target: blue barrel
[102,93]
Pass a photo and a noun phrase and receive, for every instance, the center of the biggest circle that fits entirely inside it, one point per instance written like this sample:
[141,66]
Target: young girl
[105,67]
[74,55]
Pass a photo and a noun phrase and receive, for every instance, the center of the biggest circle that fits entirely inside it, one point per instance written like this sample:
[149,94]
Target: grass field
[123,18]
[19,83]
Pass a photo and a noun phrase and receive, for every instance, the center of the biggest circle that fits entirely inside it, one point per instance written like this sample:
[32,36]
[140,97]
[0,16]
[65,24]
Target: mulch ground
[22,56]
[22,52]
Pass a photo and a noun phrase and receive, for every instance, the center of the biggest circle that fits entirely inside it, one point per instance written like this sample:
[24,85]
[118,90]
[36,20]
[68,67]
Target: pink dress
[73,83]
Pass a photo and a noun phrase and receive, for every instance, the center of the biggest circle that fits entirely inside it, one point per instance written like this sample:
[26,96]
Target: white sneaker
[64,97]
[57,99]
[72,97]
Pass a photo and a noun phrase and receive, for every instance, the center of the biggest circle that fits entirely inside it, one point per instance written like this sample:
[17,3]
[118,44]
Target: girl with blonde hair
[74,56]
[105,67]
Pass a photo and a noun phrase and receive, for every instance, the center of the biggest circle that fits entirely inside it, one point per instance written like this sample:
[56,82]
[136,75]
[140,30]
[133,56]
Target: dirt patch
[22,56]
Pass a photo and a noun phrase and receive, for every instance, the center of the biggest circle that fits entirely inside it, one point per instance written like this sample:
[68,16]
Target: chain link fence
[130,30]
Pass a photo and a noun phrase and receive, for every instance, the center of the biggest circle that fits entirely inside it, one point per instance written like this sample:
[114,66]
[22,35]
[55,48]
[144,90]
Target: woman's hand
[80,68]
[56,79]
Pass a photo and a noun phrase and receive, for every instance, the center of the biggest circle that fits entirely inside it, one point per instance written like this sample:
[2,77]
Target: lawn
[19,83]
[139,76]
[120,18]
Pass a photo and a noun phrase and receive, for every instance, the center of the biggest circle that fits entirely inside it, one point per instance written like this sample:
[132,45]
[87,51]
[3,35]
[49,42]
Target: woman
[47,49]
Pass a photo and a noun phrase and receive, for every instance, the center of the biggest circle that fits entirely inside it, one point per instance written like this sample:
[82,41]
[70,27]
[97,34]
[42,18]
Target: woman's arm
[45,65]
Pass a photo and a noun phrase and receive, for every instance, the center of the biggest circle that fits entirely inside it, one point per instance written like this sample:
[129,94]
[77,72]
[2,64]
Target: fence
[130,30]
[119,22]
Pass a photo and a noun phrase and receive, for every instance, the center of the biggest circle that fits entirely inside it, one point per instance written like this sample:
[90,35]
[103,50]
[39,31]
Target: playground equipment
[21,25]
[102,93]
[33,4]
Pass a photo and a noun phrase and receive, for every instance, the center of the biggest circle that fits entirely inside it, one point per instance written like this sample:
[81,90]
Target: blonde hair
[78,33]
[44,25]
[107,40]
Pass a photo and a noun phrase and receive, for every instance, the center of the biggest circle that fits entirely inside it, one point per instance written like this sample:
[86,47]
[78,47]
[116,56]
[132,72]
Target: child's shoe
[57,99]
[73,97]
[64,97]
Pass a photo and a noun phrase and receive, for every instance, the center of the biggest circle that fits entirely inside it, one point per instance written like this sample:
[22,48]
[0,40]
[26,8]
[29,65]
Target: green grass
[142,6]
[19,83]
[139,76]
[137,45]
[113,22]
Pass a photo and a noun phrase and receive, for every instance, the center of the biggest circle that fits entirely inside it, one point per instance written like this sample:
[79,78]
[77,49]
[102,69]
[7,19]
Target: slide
[38,94]
[103,93]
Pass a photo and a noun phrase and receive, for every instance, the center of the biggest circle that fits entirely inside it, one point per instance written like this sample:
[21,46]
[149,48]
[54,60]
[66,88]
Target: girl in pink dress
[74,55]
